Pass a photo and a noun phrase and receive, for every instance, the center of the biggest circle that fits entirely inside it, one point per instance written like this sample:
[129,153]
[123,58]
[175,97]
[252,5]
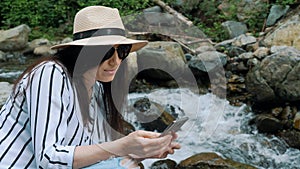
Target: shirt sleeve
[51,102]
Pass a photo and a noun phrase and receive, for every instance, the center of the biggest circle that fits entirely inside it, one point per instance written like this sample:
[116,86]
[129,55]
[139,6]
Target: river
[216,126]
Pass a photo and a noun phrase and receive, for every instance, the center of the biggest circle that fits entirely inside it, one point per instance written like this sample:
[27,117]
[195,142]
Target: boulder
[210,160]
[14,39]
[276,78]
[162,60]
[285,34]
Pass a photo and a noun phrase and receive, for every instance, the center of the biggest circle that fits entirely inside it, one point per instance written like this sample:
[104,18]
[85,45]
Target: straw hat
[100,25]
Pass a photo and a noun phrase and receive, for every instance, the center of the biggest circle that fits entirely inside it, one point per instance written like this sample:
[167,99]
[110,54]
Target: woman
[58,117]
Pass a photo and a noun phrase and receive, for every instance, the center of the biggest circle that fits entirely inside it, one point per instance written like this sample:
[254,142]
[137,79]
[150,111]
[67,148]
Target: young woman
[64,111]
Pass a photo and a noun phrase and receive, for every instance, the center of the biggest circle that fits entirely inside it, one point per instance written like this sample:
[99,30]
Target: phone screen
[175,126]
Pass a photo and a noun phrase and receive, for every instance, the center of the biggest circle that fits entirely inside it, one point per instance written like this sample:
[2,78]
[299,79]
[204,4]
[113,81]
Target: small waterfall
[216,126]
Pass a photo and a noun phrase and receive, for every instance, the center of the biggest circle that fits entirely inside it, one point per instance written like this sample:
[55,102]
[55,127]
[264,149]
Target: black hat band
[98,32]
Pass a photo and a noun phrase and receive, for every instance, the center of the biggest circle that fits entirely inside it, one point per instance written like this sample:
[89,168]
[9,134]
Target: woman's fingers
[147,134]
[175,145]
[145,144]
[174,136]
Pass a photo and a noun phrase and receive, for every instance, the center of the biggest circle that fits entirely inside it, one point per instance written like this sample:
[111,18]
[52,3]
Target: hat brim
[105,40]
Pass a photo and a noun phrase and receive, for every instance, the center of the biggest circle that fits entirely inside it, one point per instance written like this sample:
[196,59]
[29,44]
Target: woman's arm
[139,145]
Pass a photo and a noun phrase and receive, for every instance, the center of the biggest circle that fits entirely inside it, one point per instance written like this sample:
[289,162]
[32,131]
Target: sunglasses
[123,51]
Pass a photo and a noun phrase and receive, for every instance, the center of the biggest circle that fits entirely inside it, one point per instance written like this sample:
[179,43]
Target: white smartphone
[174,126]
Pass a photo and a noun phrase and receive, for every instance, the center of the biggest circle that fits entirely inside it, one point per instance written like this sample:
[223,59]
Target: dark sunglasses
[122,50]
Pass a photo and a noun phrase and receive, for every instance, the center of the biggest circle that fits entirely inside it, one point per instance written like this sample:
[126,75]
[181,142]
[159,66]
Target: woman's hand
[143,144]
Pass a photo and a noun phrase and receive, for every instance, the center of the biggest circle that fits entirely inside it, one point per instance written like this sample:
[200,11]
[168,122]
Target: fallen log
[173,12]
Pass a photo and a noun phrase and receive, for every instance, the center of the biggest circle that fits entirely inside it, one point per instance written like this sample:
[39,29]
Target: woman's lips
[111,72]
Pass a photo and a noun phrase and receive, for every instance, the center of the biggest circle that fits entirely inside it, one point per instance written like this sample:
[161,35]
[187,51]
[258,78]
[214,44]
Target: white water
[11,74]
[216,126]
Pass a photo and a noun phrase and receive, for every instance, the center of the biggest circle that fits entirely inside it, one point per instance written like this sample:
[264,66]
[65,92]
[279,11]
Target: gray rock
[246,56]
[43,50]
[14,39]
[285,34]
[2,56]
[161,58]
[276,78]
[244,40]
[268,124]
[276,12]
[261,52]
[5,90]
[234,28]
[208,61]
[153,9]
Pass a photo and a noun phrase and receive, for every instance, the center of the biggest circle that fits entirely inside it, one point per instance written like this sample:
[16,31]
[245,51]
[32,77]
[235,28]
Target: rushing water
[216,126]
[11,69]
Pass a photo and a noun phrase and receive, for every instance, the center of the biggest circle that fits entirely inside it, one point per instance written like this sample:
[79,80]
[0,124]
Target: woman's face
[107,69]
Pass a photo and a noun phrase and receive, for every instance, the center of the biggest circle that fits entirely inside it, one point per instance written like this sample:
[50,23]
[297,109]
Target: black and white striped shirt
[38,125]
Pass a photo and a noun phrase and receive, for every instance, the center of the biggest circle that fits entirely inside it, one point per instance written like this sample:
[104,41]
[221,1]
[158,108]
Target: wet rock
[164,164]
[286,113]
[297,121]
[268,124]
[152,116]
[291,137]
[128,127]
[276,111]
[211,161]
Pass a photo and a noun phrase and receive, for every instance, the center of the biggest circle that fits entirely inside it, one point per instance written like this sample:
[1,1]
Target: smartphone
[174,126]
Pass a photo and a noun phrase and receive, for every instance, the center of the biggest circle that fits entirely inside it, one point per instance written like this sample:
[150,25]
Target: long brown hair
[76,60]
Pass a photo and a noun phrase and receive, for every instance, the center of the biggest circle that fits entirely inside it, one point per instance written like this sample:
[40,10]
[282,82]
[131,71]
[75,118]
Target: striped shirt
[38,125]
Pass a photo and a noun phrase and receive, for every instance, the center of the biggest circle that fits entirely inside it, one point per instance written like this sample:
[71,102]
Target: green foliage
[285,2]
[210,18]
[53,18]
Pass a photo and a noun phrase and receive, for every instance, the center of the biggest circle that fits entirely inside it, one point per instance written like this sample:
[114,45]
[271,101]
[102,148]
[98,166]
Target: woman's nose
[115,59]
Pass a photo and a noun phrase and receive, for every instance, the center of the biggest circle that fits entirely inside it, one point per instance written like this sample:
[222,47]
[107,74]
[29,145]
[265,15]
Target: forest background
[53,19]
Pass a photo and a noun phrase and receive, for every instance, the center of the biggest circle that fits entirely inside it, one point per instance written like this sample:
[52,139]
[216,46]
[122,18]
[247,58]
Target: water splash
[216,126]
[9,75]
